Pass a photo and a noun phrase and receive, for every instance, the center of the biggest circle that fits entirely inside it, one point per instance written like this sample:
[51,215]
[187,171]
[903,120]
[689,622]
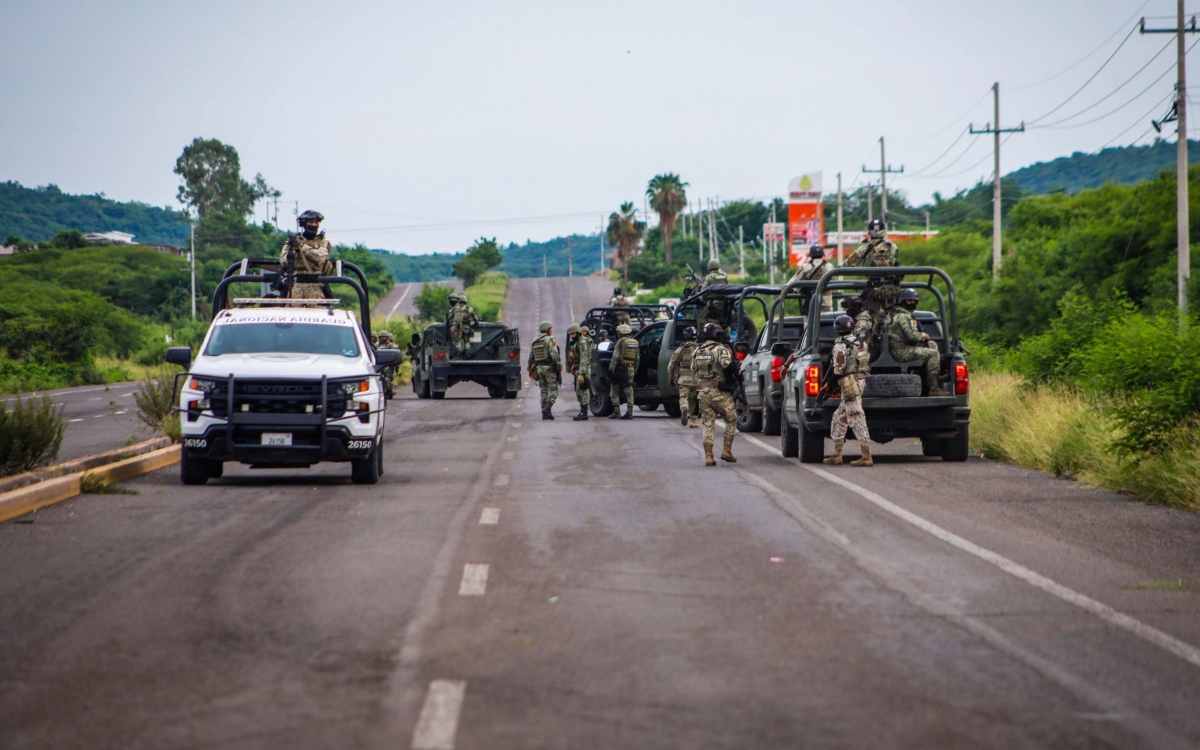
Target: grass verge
[487,295]
[1056,430]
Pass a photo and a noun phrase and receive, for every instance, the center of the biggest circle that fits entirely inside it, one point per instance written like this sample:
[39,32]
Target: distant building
[6,250]
[109,238]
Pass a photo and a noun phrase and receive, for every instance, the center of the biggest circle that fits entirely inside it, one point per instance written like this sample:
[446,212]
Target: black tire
[749,420]
[510,394]
[892,386]
[601,405]
[789,441]
[495,391]
[437,395]
[932,446]
[648,407]
[216,469]
[957,447]
[379,454]
[366,470]
[812,447]
[193,470]
[672,409]
[771,419]
[422,388]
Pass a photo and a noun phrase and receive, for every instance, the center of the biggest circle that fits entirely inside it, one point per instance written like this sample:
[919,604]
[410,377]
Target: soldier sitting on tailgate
[907,342]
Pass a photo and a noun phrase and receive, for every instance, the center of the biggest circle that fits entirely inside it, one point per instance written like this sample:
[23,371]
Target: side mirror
[781,349]
[180,355]
[388,357]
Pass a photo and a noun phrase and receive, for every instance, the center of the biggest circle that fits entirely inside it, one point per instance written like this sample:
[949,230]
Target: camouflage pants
[714,402]
[927,354]
[876,300]
[688,403]
[307,291]
[850,414]
[583,392]
[620,391]
[462,342]
[547,378]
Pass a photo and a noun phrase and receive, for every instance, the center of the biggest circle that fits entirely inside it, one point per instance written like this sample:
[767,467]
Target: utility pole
[545,272]
[193,253]
[601,243]
[926,225]
[570,268]
[884,170]
[714,251]
[771,243]
[741,251]
[700,232]
[997,204]
[1182,220]
[839,218]
[870,204]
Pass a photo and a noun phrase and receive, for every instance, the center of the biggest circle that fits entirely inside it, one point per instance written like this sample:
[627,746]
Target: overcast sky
[419,126]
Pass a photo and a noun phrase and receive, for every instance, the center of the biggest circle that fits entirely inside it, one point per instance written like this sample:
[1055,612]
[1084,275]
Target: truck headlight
[202,385]
[352,388]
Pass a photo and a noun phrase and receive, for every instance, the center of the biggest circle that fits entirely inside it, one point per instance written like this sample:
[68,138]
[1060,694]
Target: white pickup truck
[282,383]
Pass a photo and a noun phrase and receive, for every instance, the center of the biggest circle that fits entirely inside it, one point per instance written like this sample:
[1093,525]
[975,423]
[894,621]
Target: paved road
[399,301]
[99,417]
[514,583]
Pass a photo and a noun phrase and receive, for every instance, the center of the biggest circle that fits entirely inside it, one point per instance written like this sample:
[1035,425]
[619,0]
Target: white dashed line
[1185,651]
[438,723]
[75,420]
[516,425]
[513,438]
[489,517]
[501,481]
[474,580]
[506,456]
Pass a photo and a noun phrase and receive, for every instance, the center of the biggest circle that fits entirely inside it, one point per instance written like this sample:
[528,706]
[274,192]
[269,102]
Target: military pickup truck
[493,360]
[658,338]
[893,397]
[607,319]
[762,371]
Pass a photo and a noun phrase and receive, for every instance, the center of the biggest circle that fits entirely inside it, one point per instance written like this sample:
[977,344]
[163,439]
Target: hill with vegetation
[37,214]
[1124,165]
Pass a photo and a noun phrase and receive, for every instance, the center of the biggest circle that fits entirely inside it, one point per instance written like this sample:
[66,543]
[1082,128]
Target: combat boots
[935,389]
[581,416]
[727,454]
[683,417]
[546,413]
[692,424]
[628,412]
[708,456]
[866,459]
[836,458]
[616,412]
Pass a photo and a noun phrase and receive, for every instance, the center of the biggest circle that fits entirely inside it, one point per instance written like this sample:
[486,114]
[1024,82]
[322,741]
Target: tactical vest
[859,361]
[685,357]
[542,347]
[704,362]
[627,351]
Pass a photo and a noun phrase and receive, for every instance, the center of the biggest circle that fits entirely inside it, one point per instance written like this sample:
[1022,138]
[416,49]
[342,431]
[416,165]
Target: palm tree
[668,196]
[624,232]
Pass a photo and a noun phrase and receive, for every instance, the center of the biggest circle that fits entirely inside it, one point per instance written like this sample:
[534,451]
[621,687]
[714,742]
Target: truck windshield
[280,337]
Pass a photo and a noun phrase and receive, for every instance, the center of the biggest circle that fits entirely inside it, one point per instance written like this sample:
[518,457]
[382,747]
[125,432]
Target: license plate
[277,438]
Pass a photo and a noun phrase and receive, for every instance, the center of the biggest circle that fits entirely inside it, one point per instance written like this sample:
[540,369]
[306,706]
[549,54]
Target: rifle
[828,381]
[692,283]
[288,273]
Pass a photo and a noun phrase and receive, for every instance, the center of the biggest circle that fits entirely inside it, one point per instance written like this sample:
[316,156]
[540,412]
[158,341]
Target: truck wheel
[770,420]
[749,420]
[193,470]
[602,406]
[216,469]
[812,447]
[932,446]
[957,447]
[495,391]
[648,407]
[438,394]
[789,441]
[422,389]
[510,394]
[366,470]
[672,409]
[892,386]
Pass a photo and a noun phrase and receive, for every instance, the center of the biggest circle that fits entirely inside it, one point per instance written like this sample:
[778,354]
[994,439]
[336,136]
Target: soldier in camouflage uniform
[462,317]
[579,360]
[715,275]
[545,366]
[711,363]
[309,252]
[621,368]
[680,371]
[864,324]
[877,252]
[620,300]
[812,270]
[907,342]
[851,363]
[453,300]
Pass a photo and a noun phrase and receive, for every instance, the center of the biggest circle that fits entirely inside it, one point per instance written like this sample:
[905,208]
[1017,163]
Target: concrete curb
[77,465]
[27,499]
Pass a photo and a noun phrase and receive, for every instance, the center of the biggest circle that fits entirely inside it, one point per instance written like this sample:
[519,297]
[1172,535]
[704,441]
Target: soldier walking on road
[579,358]
[680,371]
[545,366]
[711,364]
[622,367]
[812,270]
[307,252]
[907,342]
[851,363]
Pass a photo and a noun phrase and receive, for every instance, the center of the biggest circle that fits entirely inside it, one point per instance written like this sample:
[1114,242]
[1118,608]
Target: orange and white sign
[806,215]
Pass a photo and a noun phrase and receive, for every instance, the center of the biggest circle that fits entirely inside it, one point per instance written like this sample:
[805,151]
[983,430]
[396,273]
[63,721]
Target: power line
[956,121]
[1089,80]
[943,154]
[1102,99]
[1081,60]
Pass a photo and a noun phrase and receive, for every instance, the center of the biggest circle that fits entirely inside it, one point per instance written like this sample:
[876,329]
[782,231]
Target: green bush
[433,302]
[1057,352]
[155,399]
[31,434]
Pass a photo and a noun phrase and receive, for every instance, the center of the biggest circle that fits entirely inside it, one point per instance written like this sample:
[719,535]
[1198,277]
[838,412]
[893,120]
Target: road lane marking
[402,296]
[501,481]
[513,438]
[438,723]
[489,517]
[1148,633]
[506,456]
[75,420]
[474,580]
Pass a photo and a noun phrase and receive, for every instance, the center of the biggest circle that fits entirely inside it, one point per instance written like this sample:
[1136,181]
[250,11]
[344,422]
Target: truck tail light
[812,380]
[440,355]
[512,355]
[962,379]
[740,355]
[777,369]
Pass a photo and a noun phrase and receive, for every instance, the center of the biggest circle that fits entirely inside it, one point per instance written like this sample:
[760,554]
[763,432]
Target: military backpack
[627,351]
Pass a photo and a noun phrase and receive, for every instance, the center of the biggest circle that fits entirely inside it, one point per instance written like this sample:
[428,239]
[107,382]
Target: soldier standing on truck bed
[877,252]
[907,342]
[811,270]
[851,363]
[579,358]
[864,324]
[710,365]
[462,317]
[680,371]
[620,300]
[622,367]
[545,366]
[714,276]
[307,252]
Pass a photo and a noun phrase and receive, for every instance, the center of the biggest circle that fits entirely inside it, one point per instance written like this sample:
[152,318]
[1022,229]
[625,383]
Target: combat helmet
[712,332]
[816,251]
[545,326]
[853,304]
[909,298]
[876,229]
[843,324]
[453,298]
[689,333]
[308,222]
[573,328]
[714,265]
[624,329]
[462,298]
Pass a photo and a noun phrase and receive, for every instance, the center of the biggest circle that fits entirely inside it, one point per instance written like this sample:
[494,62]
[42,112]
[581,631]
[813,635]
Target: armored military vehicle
[493,360]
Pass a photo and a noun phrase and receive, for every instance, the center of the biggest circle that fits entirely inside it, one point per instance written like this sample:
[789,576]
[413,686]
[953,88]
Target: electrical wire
[957,120]
[1104,98]
[926,168]
[1089,80]
[1081,60]
[957,159]
[1111,112]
